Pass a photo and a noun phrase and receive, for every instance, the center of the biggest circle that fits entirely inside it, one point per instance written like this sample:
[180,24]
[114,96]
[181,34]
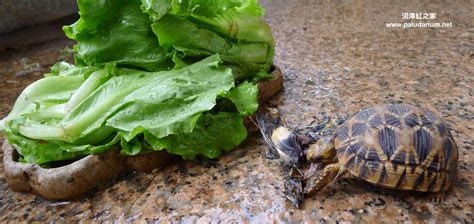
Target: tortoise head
[282,143]
[323,151]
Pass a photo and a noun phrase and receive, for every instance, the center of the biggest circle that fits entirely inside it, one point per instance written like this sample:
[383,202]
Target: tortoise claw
[438,198]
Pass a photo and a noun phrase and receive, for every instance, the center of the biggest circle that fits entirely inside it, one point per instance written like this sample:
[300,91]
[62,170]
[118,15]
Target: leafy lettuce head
[149,75]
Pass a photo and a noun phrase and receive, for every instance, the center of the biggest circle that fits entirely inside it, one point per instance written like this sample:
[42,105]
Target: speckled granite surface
[337,57]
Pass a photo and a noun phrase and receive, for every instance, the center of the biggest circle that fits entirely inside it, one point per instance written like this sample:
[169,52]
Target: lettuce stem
[92,83]
[53,112]
[82,118]
[44,132]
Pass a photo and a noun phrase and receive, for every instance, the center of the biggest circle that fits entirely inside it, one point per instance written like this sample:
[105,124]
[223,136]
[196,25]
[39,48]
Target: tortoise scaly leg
[438,198]
[330,173]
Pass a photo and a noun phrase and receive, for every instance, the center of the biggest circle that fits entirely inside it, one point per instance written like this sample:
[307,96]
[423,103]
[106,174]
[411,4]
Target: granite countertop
[337,57]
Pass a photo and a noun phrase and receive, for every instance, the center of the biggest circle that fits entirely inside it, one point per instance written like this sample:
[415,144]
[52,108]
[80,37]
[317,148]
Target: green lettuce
[149,75]
[127,104]
[116,31]
[234,29]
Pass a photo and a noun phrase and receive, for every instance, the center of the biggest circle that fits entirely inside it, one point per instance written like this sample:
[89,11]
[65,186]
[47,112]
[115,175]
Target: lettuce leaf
[186,37]
[127,105]
[116,31]
[197,28]
[212,135]
[175,75]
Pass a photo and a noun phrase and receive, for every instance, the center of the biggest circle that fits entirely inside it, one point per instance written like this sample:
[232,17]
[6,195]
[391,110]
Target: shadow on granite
[337,57]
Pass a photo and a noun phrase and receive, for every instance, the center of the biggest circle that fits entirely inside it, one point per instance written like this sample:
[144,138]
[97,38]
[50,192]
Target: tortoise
[395,146]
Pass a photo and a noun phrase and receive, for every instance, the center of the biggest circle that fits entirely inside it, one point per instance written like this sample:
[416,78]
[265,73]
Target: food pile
[148,75]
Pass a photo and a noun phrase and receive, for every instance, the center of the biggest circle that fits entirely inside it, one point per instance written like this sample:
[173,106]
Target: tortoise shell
[398,146]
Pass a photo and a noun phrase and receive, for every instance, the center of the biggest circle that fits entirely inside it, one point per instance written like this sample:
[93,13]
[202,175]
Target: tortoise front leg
[317,183]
